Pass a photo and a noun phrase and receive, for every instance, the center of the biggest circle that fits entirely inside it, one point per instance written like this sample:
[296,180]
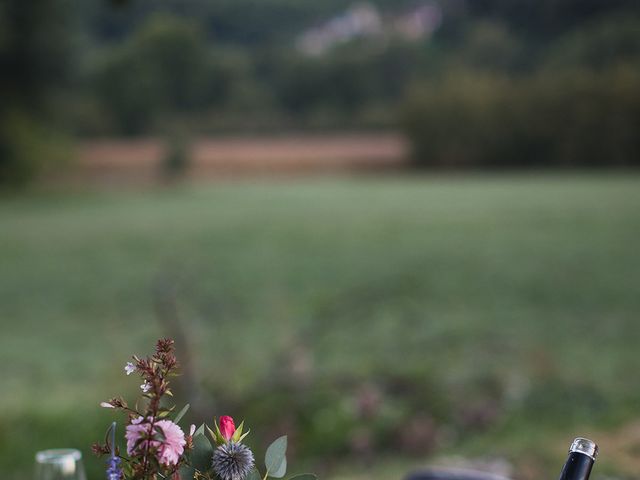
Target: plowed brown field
[140,159]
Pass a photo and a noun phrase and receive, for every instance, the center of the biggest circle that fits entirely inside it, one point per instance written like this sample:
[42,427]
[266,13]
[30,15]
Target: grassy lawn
[528,282]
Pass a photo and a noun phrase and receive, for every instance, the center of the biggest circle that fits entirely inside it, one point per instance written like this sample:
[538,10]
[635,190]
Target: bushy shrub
[29,147]
[577,118]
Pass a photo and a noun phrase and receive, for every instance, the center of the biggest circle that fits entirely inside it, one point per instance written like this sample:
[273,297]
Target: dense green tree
[568,119]
[601,43]
[164,68]
[35,55]
[545,18]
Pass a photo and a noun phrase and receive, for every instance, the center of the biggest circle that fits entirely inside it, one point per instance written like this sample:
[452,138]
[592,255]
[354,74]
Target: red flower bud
[227,427]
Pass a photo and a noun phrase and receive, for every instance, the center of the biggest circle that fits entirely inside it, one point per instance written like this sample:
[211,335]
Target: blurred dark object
[177,157]
[419,437]
[452,474]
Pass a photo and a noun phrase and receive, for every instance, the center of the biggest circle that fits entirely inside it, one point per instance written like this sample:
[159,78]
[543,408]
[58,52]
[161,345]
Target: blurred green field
[528,286]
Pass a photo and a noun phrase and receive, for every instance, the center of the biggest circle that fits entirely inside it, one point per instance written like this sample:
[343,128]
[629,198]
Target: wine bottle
[582,455]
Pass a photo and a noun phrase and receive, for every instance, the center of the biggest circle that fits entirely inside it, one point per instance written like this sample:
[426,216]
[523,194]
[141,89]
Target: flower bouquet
[158,448]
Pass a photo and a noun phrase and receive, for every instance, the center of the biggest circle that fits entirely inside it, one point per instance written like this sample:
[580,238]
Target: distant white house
[365,20]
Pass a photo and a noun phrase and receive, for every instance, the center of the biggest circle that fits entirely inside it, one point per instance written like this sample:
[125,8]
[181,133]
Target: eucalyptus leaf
[187,472]
[202,453]
[199,431]
[254,475]
[276,458]
[282,471]
[181,413]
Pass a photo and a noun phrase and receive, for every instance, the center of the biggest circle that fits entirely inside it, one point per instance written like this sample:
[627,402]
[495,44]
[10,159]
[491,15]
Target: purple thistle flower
[232,461]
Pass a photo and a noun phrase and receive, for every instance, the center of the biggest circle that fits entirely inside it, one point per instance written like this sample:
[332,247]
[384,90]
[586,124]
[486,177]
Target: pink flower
[168,447]
[173,445]
[227,427]
[136,431]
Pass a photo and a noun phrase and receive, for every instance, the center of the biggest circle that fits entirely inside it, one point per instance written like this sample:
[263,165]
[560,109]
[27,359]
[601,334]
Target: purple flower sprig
[114,472]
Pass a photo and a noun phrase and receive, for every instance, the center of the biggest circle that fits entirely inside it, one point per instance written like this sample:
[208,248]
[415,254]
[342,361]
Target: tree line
[142,67]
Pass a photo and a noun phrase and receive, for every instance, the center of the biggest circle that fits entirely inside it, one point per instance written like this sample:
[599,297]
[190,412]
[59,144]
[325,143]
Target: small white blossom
[129,368]
[106,405]
[192,430]
[145,387]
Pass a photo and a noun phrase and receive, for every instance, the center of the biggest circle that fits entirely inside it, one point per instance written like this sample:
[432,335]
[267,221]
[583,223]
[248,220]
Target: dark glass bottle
[582,455]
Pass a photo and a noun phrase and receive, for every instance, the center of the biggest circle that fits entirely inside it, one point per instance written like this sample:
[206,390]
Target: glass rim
[58,455]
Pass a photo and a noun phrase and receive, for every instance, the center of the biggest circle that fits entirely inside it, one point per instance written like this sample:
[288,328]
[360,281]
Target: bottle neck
[578,467]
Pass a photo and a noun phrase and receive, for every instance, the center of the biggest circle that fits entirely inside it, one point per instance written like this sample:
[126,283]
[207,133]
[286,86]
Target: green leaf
[199,431]
[218,433]
[212,434]
[181,413]
[243,435]
[238,433]
[253,475]
[276,458]
[282,471]
[216,436]
[238,436]
[202,452]
[304,476]
[187,472]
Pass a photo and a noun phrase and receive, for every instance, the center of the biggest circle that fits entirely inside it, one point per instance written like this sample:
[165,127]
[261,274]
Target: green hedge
[29,146]
[554,119]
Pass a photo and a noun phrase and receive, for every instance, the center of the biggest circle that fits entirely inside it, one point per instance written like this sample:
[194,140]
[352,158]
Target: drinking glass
[59,464]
